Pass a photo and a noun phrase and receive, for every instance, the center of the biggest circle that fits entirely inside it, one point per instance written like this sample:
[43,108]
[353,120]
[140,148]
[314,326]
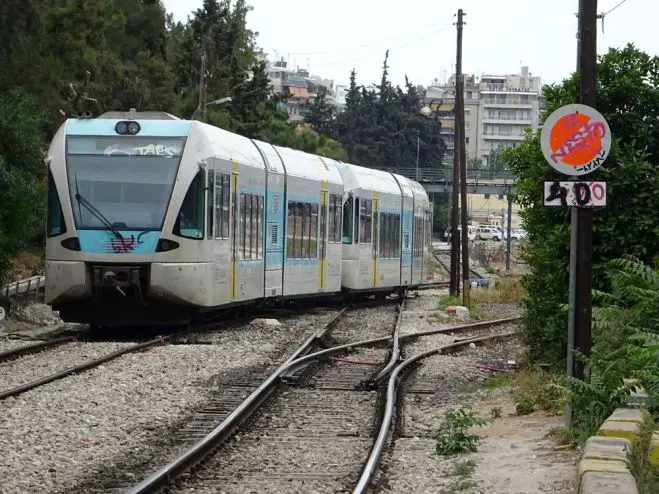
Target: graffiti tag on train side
[148,150]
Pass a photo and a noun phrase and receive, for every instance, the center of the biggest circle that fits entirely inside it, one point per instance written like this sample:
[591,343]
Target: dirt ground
[516,454]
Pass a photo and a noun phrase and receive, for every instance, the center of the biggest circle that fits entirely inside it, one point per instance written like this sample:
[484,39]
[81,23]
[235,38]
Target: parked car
[488,233]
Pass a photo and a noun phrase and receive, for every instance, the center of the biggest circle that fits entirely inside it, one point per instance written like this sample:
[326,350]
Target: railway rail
[370,376]
[83,367]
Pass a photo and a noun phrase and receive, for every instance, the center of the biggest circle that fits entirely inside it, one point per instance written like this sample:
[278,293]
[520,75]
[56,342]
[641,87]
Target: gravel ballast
[62,434]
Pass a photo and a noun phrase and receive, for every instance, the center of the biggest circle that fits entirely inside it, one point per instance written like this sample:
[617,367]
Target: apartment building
[440,98]
[508,105]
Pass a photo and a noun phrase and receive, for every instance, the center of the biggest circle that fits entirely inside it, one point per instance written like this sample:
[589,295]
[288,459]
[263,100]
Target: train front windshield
[123,183]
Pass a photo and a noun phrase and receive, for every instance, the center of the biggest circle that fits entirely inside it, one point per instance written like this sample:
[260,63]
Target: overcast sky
[500,36]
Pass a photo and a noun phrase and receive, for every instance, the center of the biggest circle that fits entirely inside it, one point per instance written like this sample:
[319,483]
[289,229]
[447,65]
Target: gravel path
[69,435]
[31,367]
[504,464]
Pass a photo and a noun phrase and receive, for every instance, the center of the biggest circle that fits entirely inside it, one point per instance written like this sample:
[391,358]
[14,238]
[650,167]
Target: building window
[302,234]
[251,224]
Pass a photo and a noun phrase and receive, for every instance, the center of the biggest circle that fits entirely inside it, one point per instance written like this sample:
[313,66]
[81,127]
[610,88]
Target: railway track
[76,369]
[314,433]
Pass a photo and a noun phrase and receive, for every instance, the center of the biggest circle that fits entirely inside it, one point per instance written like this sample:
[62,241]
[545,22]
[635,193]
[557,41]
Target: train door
[322,252]
[375,237]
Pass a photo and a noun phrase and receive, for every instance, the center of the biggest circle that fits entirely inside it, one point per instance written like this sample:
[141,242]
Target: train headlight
[133,128]
[130,128]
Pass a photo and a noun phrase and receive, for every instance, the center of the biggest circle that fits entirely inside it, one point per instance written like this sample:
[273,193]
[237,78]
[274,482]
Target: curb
[603,468]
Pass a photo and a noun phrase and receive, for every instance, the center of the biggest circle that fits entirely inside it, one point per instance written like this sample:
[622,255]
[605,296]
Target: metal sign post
[576,140]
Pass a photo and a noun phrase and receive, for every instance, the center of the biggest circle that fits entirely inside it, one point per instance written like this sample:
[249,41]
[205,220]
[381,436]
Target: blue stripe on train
[106,242]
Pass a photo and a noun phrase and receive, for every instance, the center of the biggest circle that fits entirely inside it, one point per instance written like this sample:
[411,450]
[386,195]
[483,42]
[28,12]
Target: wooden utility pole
[463,166]
[584,236]
[455,239]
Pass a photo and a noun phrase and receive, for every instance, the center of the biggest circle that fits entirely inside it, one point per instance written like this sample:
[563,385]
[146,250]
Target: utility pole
[584,261]
[418,149]
[463,167]
[508,228]
[581,220]
[455,240]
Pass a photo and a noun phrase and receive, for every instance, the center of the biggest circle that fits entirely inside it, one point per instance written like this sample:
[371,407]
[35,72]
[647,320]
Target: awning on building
[299,92]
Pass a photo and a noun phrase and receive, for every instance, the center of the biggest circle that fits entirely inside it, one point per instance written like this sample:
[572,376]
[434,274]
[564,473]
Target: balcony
[503,137]
[507,119]
[506,103]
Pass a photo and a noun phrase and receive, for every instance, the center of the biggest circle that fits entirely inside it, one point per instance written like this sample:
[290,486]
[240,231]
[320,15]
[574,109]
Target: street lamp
[226,99]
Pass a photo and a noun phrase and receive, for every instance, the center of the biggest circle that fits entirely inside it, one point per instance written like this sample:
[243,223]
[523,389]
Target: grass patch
[475,310]
[463,470]
[647,477]
[538,389]
[497,381]
[507,291]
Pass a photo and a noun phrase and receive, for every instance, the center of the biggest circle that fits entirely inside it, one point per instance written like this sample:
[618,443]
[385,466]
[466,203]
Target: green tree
[629,224]
[382,127]
[322,113]
[22,191]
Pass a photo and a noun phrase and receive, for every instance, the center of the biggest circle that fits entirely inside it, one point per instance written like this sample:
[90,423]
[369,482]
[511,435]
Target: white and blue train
[156,219]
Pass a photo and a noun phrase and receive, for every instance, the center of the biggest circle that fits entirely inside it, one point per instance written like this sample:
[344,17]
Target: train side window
[361,216]
[368,221]
[338,216]
[190,220]
[290,233]
[210,194]
[243,226]
[331,218]
[313,238]
[55,224]
[260,222]
[222,201]
[348,217]
[397,236]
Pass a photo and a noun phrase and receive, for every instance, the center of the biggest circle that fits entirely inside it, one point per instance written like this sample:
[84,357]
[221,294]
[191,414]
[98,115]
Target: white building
[508,105]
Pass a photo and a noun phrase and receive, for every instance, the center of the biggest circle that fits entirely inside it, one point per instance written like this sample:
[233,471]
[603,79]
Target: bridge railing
[446,174]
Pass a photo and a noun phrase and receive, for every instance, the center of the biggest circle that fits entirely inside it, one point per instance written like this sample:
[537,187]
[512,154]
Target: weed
[476,312]
[507,291]
[464,468]
[496,413]
[458,486]
[497,381]
[453,437]
[540,389]
[489,269]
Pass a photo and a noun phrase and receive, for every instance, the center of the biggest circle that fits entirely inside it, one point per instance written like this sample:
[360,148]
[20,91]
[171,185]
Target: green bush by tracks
[628,96]
[22,189]
[626,346]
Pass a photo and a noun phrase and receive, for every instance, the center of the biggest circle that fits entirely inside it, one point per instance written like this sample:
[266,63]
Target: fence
[24,289]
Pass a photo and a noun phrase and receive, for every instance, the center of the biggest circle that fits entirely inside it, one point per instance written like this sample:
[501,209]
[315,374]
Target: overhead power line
[372,55]
[370,45]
